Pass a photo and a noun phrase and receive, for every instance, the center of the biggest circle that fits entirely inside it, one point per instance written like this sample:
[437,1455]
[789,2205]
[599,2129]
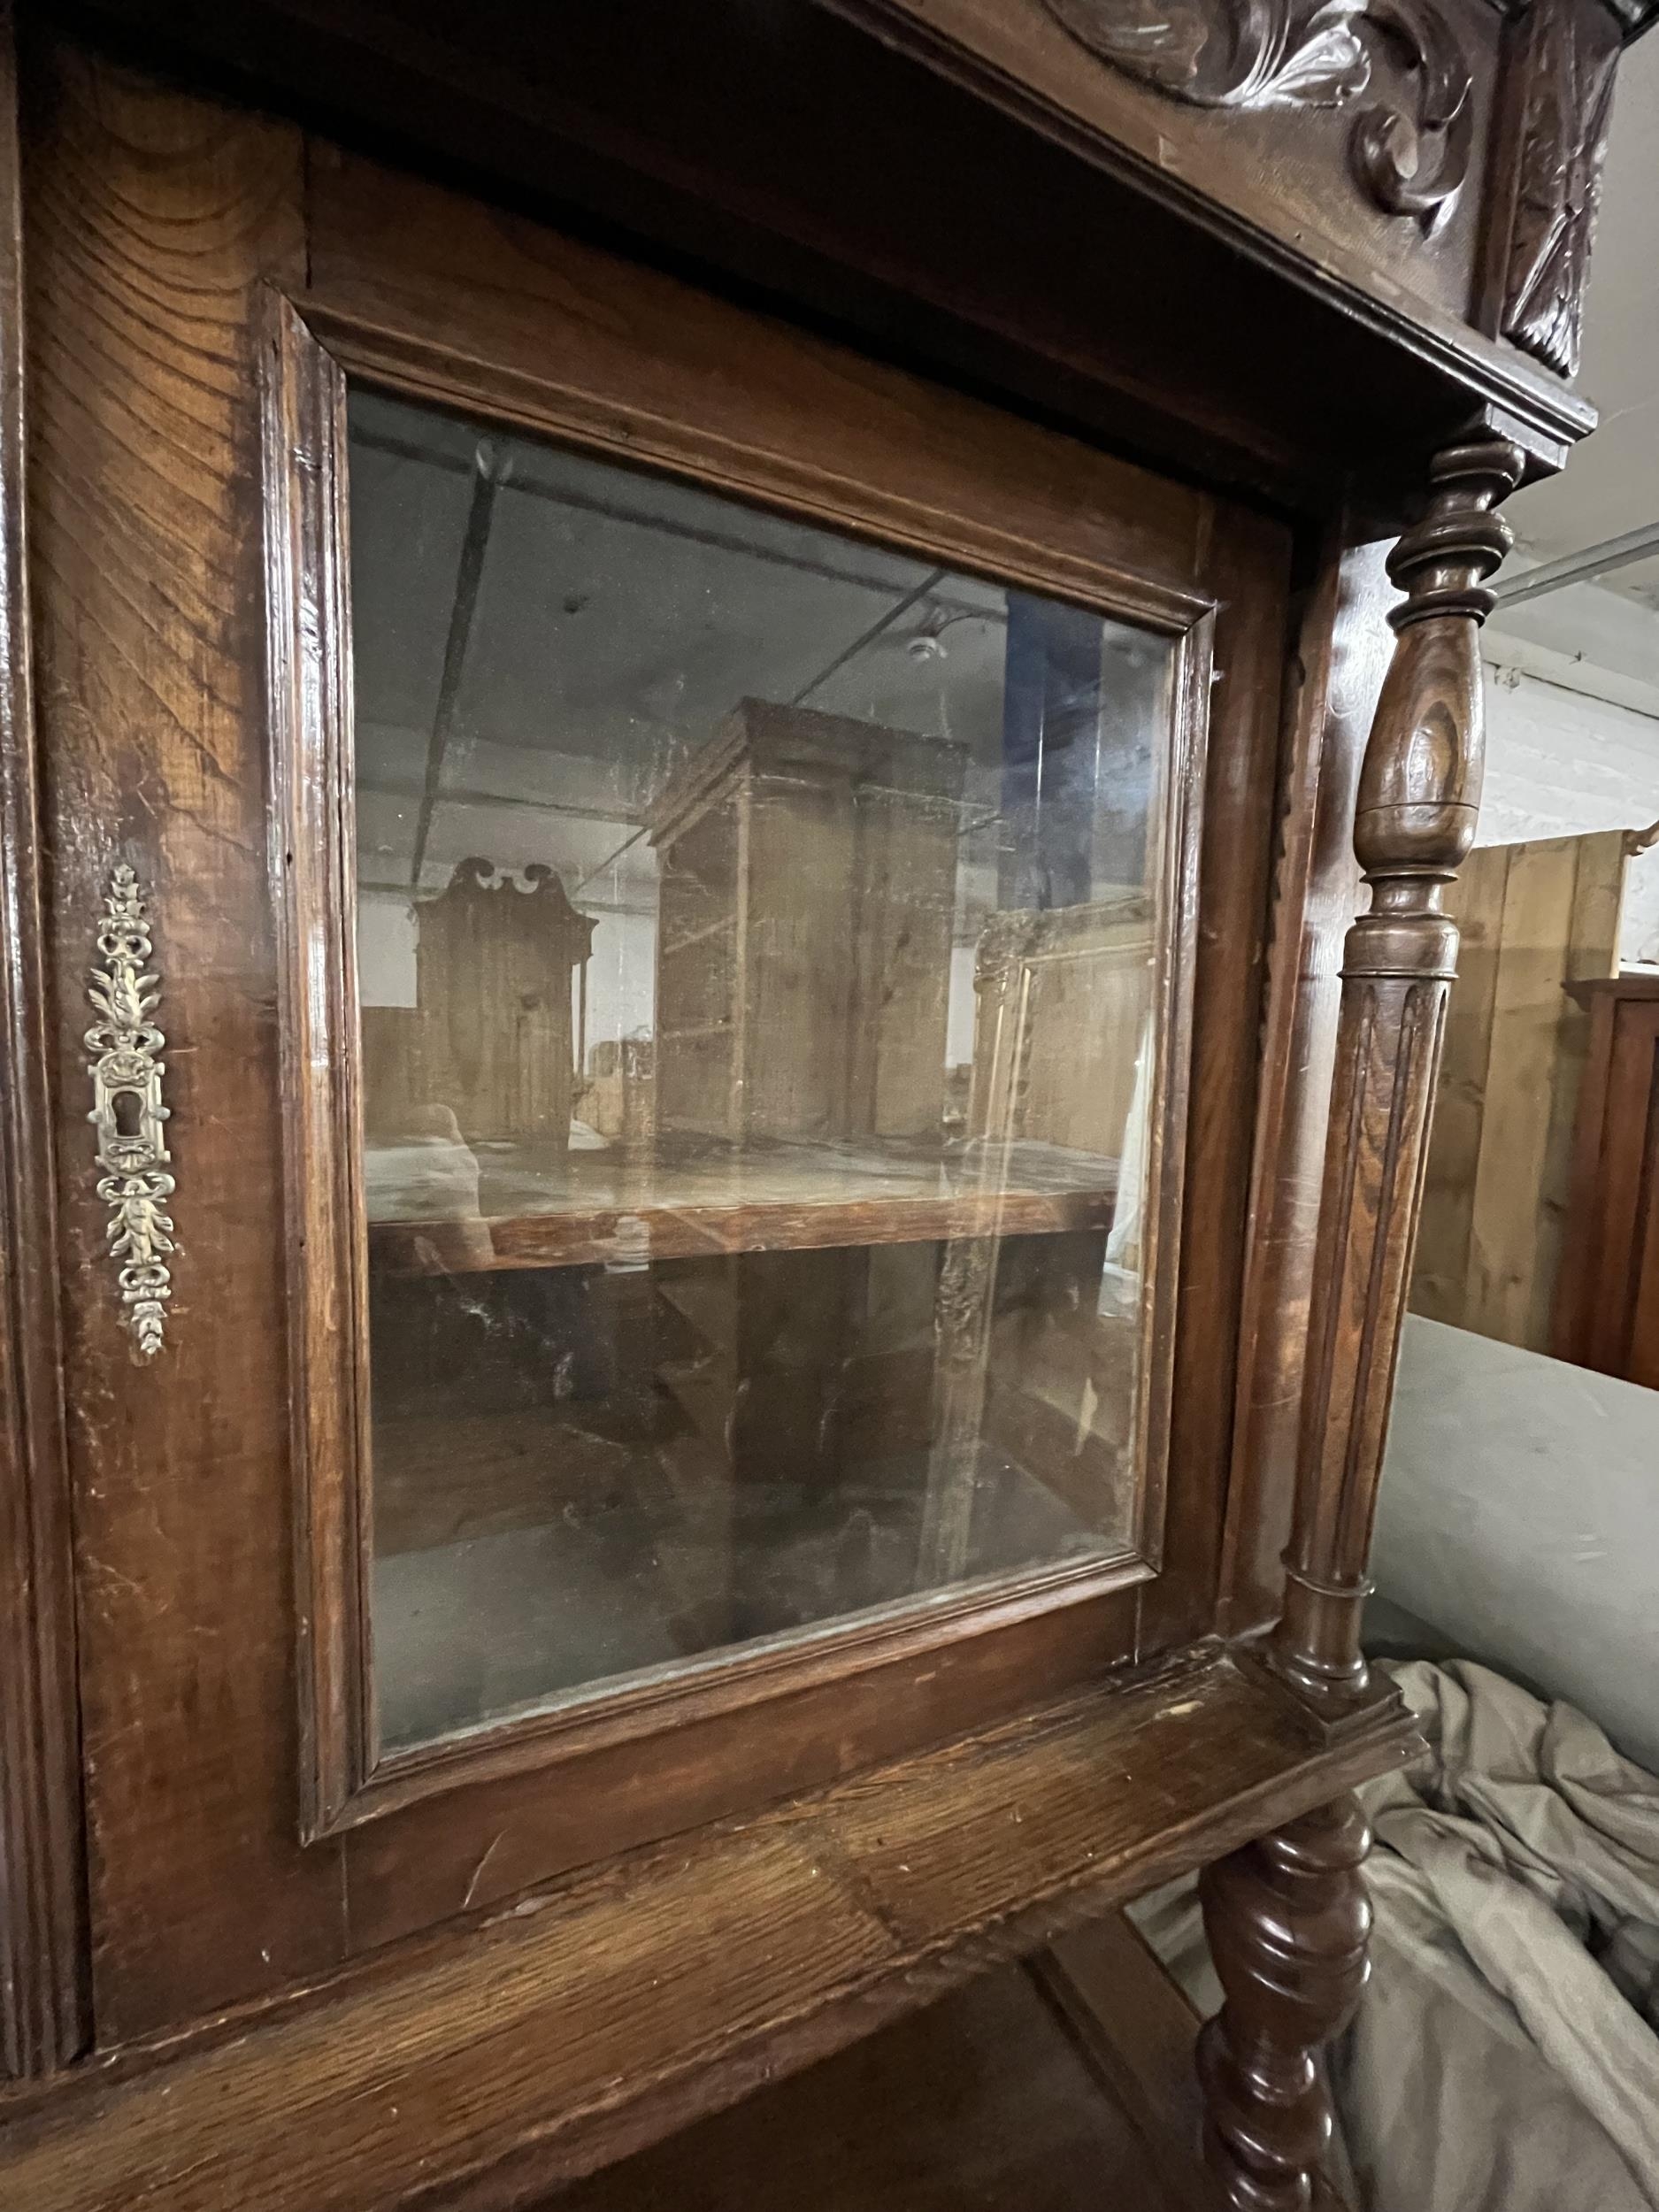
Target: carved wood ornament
[1254,54]
[1572,55]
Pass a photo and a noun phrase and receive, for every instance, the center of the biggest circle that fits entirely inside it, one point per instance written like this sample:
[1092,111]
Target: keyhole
[128,1109]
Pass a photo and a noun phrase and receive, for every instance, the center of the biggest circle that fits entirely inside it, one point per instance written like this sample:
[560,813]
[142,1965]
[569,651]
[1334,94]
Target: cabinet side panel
[43,1993]
[154,219]
[1337,670]
[1240,797]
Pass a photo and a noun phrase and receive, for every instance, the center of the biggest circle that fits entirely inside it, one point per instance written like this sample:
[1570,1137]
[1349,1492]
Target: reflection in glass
[756,947]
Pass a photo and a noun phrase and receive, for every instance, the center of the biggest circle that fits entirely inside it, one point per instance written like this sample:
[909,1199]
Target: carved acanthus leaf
[1570,60]
[1256,53]
[1411,155]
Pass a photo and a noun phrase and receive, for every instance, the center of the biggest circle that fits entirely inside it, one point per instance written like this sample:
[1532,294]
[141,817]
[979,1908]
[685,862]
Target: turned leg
[1288,1919]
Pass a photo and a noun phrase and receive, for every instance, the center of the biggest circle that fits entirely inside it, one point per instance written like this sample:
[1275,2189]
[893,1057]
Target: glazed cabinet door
[658,934]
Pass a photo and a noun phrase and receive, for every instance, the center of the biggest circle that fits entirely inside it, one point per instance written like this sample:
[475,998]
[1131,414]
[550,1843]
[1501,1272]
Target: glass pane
[755,945]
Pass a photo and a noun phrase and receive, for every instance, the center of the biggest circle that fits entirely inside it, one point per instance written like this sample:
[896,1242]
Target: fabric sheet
[1505,2057]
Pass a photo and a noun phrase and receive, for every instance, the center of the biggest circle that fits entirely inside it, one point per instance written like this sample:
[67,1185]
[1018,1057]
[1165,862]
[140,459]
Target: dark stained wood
[982,2100]
[302,396]
[1419,794]
[645,118]
[1566,64]
[1329,185]
[148,214]
[1333,681]
[43,2005]
[472,1823]
[1288,1922]
[587,2023]
[1235,876]
[1605,1313]
[1286,62]
[1140,2034]
[449,302]
[589,1208]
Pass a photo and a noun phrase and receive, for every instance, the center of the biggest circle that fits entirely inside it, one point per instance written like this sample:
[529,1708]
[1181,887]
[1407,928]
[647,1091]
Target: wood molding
[1568,63]
[313,866]
[1414,824]
[1336,671]
[43,1997]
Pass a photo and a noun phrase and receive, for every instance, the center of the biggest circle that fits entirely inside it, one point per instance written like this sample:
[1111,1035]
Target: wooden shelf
[626,2000]
[586,1209]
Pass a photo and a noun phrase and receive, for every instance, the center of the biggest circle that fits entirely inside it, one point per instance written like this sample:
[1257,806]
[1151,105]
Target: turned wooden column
[1288,1921]
[1418,794]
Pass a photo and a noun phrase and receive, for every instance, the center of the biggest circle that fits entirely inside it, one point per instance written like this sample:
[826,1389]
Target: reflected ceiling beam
[489,473]
[1579,568]
[868,637]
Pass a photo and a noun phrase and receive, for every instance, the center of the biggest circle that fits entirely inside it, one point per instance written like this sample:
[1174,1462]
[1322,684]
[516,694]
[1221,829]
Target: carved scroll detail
[1411,159]
[127,1112]
[1418,796]
[1288,1923]
[1572,55]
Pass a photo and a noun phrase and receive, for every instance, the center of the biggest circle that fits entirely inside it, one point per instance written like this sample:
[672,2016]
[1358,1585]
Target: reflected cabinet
[708,1175]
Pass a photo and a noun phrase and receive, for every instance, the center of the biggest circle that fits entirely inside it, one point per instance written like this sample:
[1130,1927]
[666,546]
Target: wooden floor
[1062,2085]
[985,2103]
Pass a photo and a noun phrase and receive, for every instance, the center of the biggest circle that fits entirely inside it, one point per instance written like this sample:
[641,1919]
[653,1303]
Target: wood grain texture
[1289,1923]
[43,1998]
[1270,56]
[1139,2035]
[1414,824]
[806,1200]
[313,839]
[584,2023]
[1315,185]
[1533,920]
[1607,1299]
[983,2099]
[1233,893]
[1331,694]
[1569,56]
[150,216]
[455,302]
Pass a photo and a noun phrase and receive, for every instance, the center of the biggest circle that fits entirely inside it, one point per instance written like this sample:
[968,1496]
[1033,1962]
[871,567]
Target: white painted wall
[1561,760]
[385,948]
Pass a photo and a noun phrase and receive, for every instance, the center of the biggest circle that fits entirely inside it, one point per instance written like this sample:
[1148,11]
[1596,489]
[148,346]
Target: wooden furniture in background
[485,944]
[1065,1053]
[1606,1301]
[809,875]
[248,1961]
[1533,920]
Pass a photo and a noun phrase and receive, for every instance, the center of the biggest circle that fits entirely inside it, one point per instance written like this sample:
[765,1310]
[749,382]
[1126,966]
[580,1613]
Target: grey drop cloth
[1506,2055]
